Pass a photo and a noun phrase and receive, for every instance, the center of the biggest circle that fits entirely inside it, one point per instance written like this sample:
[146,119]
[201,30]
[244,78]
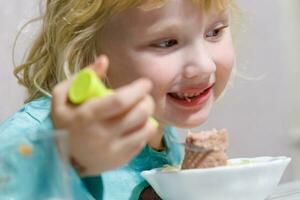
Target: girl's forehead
[138,17]
[170,16]
[148,7]
[166,10]
[205,5]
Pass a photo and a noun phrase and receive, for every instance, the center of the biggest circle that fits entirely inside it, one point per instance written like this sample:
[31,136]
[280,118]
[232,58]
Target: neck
[156,142]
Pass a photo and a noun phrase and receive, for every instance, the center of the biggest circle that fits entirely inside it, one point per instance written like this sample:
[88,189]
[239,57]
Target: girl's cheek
[224,70]
[224,58]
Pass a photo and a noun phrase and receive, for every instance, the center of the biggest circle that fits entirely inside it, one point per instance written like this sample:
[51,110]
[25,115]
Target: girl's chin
[187,119]
[190,121]
[190,124]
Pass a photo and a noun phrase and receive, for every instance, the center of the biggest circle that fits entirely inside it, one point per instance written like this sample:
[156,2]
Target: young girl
[176,54]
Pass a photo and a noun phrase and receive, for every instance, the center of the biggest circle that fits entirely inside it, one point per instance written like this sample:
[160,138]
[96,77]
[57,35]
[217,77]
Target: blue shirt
[36,172]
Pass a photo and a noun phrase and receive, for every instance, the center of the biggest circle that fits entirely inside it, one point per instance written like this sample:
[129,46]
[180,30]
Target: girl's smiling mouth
[191,97]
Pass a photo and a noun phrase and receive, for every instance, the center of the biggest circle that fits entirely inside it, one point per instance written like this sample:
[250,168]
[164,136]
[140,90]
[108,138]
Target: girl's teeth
[187,99]
[180,95]
[185,96]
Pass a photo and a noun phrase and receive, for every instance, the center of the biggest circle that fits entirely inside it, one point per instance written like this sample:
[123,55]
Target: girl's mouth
[191,99]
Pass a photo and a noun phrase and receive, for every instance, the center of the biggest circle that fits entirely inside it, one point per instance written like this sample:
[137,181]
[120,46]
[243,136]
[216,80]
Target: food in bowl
[213,176]
[241,179]
[215,142]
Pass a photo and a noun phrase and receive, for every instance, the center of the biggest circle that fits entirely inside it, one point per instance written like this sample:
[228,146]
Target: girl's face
[186,52]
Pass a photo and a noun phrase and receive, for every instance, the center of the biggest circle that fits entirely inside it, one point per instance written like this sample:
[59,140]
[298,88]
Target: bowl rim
[269,160]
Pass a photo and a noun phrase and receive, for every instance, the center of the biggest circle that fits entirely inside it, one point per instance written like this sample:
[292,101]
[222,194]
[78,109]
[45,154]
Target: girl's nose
[199,63]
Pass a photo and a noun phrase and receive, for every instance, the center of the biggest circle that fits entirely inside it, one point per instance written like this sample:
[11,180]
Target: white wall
[13,15]
[291,17]
[259,114]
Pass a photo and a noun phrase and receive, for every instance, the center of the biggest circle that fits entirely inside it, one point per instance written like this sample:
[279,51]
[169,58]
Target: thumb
[100,66]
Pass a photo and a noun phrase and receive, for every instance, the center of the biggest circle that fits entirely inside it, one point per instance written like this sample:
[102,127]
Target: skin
[169,54]
[114,127]
[142,43]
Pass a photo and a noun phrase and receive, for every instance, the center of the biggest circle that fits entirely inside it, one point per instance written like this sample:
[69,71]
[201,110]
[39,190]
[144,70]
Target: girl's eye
[165,44]
[216,33]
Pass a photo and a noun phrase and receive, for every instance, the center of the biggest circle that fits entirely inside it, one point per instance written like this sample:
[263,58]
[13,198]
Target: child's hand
[105,132]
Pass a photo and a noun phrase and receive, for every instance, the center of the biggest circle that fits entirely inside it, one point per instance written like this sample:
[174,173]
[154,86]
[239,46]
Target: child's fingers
[60,93]
[100,66]
[137,117]
[135,140]
[121,101]
[59,110]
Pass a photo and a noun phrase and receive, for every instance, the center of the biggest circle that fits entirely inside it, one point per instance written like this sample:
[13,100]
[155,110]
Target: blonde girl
[170,59]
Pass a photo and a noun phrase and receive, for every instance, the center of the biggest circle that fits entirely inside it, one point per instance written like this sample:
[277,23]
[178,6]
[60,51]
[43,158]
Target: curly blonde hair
[67,40]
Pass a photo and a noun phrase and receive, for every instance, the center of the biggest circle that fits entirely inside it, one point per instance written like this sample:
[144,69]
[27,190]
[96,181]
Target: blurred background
[260,108]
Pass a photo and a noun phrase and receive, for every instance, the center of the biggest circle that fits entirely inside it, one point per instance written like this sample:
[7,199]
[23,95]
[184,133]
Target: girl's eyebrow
[222,14]
[174,26]
[168,26]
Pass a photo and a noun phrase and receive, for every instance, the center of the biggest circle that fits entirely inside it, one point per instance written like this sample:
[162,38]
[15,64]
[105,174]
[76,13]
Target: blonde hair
[66,42]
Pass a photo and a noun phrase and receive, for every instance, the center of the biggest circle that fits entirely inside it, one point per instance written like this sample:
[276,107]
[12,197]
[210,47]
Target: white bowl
[241,179]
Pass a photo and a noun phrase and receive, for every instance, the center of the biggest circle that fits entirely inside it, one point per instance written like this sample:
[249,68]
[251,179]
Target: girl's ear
[100,66]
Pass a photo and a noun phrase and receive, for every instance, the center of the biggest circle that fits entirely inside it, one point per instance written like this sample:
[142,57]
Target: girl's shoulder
[27,119]
[28,148]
